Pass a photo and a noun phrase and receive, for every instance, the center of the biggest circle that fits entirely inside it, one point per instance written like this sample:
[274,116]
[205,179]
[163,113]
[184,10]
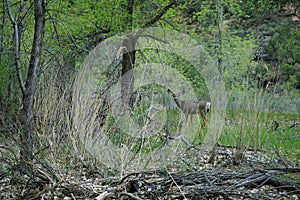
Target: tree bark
[28,94]
[127,80]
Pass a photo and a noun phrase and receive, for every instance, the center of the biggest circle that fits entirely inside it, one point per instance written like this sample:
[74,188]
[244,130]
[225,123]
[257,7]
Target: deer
[191,107]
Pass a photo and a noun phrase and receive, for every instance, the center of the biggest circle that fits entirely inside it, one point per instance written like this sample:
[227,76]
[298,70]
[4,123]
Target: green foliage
[193,76]
[284,45]
[291,75]
[237,61]
[284,49]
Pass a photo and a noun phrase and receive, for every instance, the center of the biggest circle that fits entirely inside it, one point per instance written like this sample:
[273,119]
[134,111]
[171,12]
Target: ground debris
[251,179]
[256,184]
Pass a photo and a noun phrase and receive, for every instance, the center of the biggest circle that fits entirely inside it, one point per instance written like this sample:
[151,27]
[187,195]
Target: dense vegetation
[45,47]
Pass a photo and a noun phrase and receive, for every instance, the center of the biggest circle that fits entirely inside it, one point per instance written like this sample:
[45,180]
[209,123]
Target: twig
[278,154]
[207,179]
[176,184]
[130,195]
[135,174]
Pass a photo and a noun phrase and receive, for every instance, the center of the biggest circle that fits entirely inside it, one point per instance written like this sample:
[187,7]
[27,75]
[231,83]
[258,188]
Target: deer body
[191,107]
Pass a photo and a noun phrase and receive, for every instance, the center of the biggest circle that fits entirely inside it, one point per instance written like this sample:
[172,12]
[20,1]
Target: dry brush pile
[250,179]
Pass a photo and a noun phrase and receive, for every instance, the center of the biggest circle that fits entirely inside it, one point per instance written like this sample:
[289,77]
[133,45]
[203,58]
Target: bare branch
[17,49]
[70,34]
[129,195]
[161,13]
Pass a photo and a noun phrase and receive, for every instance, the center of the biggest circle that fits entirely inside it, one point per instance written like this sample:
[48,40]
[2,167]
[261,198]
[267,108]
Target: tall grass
[76,125]
[53,125]
[252,118]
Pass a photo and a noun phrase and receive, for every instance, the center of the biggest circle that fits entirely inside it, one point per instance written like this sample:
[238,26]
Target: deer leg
[186,118]
[203,126]
[204,120]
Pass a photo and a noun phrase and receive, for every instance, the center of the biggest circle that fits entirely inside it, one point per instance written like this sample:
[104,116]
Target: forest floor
[249,175]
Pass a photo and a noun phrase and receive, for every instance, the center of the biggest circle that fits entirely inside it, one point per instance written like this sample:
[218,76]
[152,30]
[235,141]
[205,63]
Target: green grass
[246,128]
[255,129]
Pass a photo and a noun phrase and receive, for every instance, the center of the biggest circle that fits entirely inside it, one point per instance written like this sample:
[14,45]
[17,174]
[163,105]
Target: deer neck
[178,102]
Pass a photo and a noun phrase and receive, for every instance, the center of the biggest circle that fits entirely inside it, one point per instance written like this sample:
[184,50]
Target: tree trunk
[127,80]
[28,94]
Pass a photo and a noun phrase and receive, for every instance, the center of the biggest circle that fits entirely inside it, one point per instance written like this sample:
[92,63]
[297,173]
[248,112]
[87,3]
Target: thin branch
[2,32]
[279,155]
[17,49]
[71,36]
[23,17]
[173,180]
[129,195]
[160,14]
[155,38]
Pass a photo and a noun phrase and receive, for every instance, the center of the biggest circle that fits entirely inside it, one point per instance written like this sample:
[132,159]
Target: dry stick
[207,179]
[135,174]
[278,154]
[246,179]
[175,183]
[287,186]
[44,191]
[252,179]
[181,137]
[130,195]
